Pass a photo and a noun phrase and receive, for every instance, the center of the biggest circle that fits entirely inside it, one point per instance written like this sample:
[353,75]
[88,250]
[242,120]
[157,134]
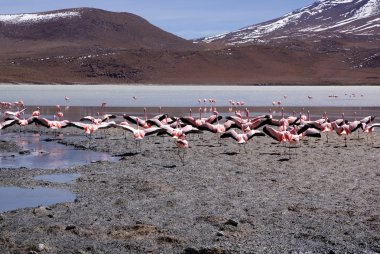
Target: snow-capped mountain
[351,17]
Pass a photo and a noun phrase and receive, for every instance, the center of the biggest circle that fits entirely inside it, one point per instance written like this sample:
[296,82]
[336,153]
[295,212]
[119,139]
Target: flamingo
[345,129]
[138,133]
[59,112]
[14,114]
[51,124]
[182,145]
[12,121]
[242,138]
[91,127]
[369,128]
[218,128]
[288,137]
[142,123]
[177,131]
[94,120]
[198,122]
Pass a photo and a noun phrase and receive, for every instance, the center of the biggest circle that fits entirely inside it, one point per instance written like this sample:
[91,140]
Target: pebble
[40,247]
[232,223]
[220,233]
[70,227]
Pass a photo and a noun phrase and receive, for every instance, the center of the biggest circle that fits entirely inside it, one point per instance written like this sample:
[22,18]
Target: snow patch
[36,17]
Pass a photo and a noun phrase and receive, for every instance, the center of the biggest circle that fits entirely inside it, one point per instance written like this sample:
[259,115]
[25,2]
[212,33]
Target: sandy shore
[325,200]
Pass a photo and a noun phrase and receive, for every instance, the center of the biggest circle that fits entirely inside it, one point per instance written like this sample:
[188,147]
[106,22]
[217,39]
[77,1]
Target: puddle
[38,153]
[58,178]
[12,198]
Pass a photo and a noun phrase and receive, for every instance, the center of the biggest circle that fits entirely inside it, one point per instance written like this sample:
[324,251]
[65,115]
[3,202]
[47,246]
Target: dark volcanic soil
[222,200]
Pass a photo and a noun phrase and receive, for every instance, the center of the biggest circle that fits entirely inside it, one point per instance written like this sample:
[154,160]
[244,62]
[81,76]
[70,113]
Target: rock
[231,222]
[23,152]
[191,250]
[32,252]
[40,210]
[220,233]
[40,247]
[70,227]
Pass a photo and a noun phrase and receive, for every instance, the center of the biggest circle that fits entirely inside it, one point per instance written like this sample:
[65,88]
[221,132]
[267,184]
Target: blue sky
[189,19]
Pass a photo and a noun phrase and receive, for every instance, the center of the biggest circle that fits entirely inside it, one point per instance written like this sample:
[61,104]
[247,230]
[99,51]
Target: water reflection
[46,155]
[12,198]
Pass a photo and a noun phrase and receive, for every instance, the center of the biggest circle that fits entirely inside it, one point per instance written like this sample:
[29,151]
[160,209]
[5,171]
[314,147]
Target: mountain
[324,18]
[89,46]
[83,27]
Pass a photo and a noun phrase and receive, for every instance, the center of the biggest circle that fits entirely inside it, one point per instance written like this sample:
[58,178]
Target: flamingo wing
[125,127]
[273,122]
[206,127]
[305,128]
[212,119]
[367,119]
[106,117]
[107,125]
[272,133]
[42,121]
[64,124]
[311,132]
[134,119]
[230,124]
[78,125]
[259,123]
[154,121]
[235,119]
[87,119]
[159,117]
[188,120]
[230,134]
[190,129]
[153,130]
[353,126]
[254,133]
[7,123]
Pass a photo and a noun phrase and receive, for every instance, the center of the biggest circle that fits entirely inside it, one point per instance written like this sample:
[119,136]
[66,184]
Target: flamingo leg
[345,141]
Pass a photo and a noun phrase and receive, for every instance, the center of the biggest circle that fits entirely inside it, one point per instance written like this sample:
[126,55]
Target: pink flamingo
[345,129]
[138,133]
[182,145]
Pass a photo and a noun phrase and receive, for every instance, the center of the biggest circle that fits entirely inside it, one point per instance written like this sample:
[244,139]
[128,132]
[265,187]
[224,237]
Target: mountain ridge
[323,18]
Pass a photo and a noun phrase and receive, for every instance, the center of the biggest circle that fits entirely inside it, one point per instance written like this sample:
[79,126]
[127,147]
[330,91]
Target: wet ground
[324,199]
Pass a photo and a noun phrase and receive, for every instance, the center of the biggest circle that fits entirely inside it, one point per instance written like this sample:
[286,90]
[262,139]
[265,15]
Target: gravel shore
[324,199]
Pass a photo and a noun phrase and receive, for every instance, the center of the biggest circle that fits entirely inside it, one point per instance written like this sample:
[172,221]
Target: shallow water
[185,96]
[12,198]
[46,155]
[58,178]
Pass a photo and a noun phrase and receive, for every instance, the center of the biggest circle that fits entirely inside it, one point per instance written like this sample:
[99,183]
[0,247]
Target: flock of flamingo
[239,125]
